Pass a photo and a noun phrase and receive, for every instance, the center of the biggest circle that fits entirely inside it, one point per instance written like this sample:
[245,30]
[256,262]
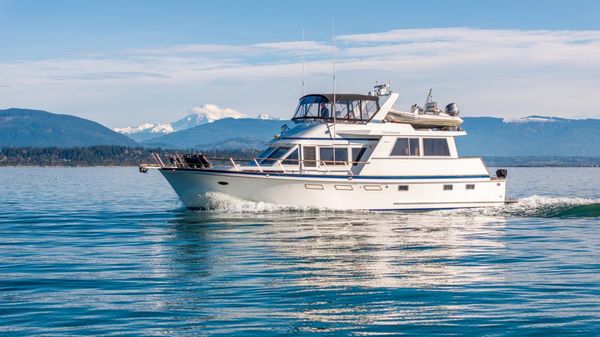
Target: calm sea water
[109,251]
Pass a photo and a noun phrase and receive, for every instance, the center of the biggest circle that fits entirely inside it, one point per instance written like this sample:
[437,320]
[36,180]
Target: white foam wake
[222,202]
[533,206]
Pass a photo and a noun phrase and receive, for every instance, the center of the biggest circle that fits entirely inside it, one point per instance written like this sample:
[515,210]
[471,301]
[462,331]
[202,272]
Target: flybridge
[354,108]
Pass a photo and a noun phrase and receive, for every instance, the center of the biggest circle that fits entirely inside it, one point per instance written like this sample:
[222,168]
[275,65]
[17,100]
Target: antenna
[427,101]
[334,98]
[302,61]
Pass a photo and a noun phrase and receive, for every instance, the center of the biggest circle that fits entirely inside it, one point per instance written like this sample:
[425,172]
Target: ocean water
[111,252]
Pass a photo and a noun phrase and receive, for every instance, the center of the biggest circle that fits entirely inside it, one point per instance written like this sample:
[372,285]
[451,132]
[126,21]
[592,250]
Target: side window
[406,147]
[435,147]
[275,155]
[326,154]
[414,146]
[291,159]
[310,156]
[341,155]
[357,154]
[265,153]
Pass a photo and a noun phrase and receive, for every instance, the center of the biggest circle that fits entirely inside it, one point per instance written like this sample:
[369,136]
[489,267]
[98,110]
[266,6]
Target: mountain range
[36,128]
[533,135]
[487,136]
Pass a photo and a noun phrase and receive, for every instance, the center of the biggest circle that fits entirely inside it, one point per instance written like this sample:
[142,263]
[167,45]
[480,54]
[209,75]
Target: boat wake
[221,202]
[533,206]
[538,206]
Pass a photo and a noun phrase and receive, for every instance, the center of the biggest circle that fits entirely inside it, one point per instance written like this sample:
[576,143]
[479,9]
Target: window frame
[333,150]
[284,158]
[408,143]
[311,163]
[361,152]
[445,139]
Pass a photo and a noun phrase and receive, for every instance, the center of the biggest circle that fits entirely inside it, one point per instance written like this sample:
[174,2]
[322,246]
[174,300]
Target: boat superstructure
[365,156]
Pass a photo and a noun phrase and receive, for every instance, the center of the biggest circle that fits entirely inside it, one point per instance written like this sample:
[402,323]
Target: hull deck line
[323,176]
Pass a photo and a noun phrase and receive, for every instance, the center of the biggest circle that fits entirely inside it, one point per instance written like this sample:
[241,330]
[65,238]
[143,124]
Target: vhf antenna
[302,61]
[334,98]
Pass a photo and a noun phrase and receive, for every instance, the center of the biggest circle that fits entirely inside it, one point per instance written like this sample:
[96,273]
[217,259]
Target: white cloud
[510,73]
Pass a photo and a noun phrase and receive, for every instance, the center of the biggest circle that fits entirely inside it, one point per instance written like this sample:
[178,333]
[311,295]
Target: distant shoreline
[123,156]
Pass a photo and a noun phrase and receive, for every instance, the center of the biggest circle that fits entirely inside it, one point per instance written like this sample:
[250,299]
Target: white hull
[340,193]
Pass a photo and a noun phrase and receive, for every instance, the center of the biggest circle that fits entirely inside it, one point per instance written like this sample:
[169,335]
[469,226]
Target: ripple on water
[94,259]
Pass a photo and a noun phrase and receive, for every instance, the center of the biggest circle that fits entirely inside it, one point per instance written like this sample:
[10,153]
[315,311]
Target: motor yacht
[348,152]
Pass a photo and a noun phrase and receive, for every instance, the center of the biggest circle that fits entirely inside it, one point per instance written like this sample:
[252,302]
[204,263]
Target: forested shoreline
[112,155]
[101,155]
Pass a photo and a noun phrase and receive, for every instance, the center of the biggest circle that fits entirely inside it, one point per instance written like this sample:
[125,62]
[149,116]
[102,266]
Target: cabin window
[278,153]
[357,154]
[435,147]
[470,186]
[310,156]
[406,147]
[326,153]
[448,187]
[292,158]
[403,188]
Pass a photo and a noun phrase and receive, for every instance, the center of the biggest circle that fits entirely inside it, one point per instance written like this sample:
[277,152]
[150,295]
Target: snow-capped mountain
[264,116]
[146,127]
[204,114]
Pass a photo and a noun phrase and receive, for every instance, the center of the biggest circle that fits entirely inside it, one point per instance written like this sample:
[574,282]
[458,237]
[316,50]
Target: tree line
[100,155]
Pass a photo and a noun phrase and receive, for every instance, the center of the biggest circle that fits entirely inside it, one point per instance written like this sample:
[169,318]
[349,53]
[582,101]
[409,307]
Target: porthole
[223,183]
[448,187]
[403,188]
[470,186]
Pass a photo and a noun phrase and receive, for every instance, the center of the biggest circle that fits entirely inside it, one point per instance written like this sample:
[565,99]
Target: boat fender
[501,173]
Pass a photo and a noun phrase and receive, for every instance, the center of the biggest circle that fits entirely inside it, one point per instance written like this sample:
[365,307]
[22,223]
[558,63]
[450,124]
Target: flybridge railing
[200,161]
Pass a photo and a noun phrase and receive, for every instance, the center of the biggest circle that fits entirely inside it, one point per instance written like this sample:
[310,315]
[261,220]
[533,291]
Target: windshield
[313,107]
[319,107]
[274,156]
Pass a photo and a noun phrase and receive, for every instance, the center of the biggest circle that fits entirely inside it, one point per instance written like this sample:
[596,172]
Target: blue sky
[127,62]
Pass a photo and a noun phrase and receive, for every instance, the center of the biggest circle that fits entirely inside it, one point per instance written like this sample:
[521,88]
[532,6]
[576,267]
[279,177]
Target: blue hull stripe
[326,176]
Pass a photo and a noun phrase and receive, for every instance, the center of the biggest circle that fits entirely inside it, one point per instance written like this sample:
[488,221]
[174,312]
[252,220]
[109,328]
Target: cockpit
[348,108]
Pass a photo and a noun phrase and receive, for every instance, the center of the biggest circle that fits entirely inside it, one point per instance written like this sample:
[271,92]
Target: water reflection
[356,249]
[324,271]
